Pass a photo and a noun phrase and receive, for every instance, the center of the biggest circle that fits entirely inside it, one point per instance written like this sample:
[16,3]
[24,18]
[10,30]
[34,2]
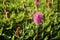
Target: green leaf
[11,25]
[34,37]
[48,29]
[1,30]
[13,15]
[12,38]
[31,33]
[46,38]
[20,17]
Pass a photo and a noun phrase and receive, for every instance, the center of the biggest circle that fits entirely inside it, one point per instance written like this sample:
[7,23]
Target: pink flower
[36,2]
[38,18]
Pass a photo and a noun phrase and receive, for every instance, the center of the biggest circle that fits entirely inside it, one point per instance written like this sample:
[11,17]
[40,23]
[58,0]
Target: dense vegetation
[16,20]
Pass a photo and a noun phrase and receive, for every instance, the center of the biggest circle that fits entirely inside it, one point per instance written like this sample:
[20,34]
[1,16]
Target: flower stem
[36,32]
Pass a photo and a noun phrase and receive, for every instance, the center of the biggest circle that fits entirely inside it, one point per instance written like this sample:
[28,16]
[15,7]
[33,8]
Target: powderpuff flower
[36,2]
[38,18]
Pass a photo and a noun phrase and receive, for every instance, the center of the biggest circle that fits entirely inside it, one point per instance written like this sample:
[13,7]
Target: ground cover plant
[29,20]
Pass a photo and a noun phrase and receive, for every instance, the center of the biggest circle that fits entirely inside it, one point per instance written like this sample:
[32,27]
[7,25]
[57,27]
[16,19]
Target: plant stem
[36,32]
[4,7]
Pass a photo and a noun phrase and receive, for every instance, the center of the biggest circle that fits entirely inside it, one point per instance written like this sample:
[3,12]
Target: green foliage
[21,15]
[1,31]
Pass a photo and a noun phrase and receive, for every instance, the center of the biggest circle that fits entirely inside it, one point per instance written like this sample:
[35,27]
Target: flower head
[38,18]
[36,2]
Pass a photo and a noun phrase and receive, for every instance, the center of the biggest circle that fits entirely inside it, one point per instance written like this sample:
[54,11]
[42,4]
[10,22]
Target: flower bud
[36,2]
